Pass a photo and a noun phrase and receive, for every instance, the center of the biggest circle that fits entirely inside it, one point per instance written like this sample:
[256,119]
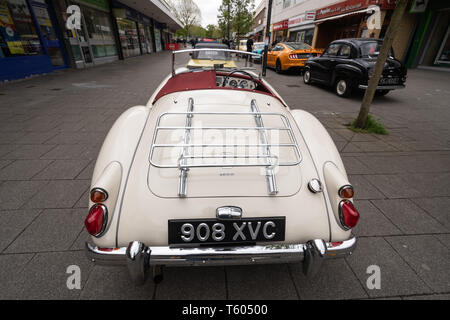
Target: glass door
[50,38]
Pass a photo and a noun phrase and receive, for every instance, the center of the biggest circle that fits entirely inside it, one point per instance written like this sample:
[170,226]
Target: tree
[210,30]
[382,56]
[242,16]
[187,12]
[236,15]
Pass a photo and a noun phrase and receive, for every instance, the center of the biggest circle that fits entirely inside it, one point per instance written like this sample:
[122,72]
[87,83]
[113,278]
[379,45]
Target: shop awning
[302,27]
[369,9]
[155,9]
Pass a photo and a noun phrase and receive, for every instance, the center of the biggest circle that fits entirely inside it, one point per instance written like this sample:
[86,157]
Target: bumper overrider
[139,258]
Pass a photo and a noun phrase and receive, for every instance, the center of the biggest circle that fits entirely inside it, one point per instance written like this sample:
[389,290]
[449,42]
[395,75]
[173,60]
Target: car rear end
[191,213]
[298,58]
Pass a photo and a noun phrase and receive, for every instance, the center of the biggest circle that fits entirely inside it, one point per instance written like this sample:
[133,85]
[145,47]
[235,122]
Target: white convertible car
[216,169]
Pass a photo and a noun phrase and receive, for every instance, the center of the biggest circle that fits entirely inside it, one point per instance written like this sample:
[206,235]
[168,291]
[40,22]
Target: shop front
[158,36]
[280,31]
[431,44]
[301,27]
[94,43]
[349,19]
[29,39]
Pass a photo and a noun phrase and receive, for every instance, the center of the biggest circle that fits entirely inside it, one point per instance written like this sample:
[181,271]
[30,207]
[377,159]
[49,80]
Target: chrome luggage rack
[190,153]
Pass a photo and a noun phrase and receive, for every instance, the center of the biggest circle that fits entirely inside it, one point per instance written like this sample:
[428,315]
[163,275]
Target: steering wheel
[239,71]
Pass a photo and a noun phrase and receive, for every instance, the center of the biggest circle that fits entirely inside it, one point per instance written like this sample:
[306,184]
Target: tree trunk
[384,51]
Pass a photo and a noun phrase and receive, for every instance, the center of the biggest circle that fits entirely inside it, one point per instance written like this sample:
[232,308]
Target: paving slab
[393,186]
[187,283]
[397,277]
[114,283]
[363,188]
[53,230]
[260,282]
[408,217]
[335,281]
[59,194]
[13,223]
[439,208]
[11,266]
[23,169]
[373,222]
[429,258]
[13,194]
[61,170]
[45,276]
[28,151]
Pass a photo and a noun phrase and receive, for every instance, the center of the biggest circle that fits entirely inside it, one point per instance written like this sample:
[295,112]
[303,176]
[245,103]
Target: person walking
[249,49]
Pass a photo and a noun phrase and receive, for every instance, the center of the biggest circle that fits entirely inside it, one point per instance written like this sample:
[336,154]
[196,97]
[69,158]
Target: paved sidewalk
[51,129]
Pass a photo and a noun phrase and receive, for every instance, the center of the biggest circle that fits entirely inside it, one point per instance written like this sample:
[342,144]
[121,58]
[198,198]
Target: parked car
[211,58]
[258,47]
[242,46]
[347,65]
[216,169]
[286,55]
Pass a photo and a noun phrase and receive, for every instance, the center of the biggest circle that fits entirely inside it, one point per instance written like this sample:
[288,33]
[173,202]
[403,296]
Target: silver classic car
[216,169]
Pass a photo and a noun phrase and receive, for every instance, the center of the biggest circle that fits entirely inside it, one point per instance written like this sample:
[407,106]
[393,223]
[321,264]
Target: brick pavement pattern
[52,127]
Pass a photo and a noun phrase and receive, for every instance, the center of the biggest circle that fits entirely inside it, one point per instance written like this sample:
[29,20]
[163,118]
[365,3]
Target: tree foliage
[236,13]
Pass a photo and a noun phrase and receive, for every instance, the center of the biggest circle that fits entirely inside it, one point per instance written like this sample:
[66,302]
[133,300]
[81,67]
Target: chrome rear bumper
[387,87]
[139,257]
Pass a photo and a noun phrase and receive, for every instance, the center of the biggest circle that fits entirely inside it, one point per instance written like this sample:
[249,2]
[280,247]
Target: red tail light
[348,214]
[95,222]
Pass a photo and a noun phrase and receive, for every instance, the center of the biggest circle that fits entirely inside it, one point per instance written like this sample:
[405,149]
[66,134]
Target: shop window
[97,24]
[98,51]
[76,52]
[18,34]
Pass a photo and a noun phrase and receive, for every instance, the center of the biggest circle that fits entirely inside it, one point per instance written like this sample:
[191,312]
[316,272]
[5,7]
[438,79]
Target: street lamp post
[267,38]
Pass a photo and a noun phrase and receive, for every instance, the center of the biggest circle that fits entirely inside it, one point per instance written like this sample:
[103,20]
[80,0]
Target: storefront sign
[301,19]
[282,25]
[352,5]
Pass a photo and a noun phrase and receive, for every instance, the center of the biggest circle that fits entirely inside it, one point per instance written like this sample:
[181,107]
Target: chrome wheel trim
[307,76]
[341,87]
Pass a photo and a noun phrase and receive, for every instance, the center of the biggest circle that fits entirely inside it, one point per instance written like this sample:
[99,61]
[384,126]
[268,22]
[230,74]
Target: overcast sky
[210,9]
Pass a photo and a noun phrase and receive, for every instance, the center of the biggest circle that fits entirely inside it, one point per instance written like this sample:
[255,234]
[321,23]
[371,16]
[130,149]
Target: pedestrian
[249,49]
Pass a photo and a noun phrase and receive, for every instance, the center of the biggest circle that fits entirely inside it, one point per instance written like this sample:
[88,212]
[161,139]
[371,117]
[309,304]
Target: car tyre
[343,87]
[278,67]
[307,77]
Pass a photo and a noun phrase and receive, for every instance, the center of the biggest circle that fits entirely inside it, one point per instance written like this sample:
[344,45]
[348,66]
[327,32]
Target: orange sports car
[286,55]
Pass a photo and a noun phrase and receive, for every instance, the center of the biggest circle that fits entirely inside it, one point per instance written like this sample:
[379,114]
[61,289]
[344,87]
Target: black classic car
[347,64]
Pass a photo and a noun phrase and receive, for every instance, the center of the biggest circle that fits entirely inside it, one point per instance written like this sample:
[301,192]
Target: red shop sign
[350,6]
[280,25]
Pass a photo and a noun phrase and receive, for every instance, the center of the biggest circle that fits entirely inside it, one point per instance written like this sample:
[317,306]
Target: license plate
[389,80]
[213,231]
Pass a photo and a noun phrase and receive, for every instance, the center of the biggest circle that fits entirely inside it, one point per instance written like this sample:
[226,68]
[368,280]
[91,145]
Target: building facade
[259,22]
[430,46]
[34,38]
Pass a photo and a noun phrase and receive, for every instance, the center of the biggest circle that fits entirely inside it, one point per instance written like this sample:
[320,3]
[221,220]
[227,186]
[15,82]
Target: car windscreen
[258,46]
[211,55]
[297,46]
[372,49]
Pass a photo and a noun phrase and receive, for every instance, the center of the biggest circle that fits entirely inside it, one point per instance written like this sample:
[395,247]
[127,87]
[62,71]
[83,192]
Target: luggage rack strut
[264,157]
